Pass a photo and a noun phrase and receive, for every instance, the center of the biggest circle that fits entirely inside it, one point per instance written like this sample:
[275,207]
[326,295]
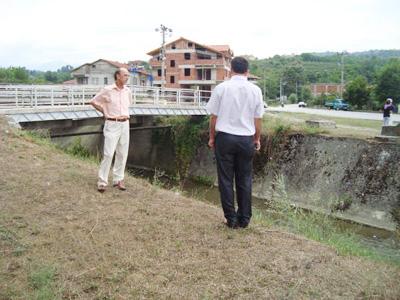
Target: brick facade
[326,88]
[191,65]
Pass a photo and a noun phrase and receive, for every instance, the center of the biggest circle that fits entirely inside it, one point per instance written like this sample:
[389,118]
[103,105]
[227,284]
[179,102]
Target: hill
[300,70]
[60,238]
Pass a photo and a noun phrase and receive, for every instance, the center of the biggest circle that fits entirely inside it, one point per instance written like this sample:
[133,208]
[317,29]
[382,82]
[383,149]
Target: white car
[302,104]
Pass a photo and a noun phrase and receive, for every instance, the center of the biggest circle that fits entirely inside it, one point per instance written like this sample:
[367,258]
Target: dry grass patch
[60,238]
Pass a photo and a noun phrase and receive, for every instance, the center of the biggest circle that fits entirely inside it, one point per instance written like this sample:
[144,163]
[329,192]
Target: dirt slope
[151,243]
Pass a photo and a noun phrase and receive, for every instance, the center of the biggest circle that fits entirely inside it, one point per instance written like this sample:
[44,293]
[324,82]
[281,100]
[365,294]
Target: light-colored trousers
[386,121]
[116,139]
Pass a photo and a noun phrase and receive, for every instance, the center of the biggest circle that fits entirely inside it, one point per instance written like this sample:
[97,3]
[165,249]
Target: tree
[293,75]
[292,98]
[51,76]
[306,94]
[20,75]
[388,82]
[358,93]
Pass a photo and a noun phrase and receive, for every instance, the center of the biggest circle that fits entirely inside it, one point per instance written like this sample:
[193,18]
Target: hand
[211,143]
[257,145]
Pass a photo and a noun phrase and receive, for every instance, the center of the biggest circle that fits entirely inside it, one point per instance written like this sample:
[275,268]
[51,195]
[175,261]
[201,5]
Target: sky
[47,34]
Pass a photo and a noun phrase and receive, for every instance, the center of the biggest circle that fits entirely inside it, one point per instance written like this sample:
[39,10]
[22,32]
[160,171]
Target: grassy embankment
[59,238]
[345,127]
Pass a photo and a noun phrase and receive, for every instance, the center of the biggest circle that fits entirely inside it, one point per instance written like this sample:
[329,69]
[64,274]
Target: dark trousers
[234,155]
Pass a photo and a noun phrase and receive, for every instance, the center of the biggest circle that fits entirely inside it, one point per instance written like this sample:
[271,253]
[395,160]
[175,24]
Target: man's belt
[117,119]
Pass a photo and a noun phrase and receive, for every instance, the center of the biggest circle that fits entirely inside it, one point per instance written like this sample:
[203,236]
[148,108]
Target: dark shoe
[101,188]
[120,185]
[243,225]
[232,225]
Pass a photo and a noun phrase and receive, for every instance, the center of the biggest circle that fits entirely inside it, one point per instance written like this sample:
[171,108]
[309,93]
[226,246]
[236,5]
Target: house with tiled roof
[189,64]
[101,72]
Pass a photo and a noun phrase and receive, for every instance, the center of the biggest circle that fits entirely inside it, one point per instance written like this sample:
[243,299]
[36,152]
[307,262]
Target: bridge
[38,103]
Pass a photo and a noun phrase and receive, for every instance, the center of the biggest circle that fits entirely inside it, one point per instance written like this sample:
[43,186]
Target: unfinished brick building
[191,65]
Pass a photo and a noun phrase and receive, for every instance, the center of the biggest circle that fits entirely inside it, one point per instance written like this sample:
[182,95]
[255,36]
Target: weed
[77,150]
[342,203]
[203,180]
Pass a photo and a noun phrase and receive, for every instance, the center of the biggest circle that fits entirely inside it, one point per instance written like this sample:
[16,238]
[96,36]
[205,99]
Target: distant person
[387,111]
[236,108]
[113,102]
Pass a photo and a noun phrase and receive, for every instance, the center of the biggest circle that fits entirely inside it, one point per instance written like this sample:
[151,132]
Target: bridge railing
[37,96]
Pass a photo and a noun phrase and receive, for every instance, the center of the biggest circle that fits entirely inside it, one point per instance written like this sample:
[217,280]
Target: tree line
[20,75]
[369,77]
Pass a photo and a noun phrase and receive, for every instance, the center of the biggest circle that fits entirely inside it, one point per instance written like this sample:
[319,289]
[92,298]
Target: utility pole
[163,29]
[342,74]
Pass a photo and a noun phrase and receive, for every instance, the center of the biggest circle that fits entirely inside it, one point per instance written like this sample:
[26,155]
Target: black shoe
[232,225]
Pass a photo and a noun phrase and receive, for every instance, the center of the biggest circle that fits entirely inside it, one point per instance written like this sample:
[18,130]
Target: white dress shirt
[236,103]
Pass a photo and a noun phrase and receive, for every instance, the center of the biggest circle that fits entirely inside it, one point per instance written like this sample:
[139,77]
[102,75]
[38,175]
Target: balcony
[197,81]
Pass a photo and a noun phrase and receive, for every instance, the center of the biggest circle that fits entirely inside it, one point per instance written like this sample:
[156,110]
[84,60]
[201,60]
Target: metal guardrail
[43,96]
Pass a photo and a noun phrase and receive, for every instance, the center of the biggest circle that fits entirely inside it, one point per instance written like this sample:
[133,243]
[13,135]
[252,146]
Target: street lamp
[281,96]
[163,29]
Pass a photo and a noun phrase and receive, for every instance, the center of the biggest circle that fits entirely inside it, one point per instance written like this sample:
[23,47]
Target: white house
[101,72]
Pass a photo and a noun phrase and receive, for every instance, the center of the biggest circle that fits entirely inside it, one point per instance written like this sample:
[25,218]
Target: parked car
[337,104]
[302,104]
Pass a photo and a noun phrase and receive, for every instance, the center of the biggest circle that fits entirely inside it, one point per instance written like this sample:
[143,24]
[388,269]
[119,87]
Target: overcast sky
[46,34]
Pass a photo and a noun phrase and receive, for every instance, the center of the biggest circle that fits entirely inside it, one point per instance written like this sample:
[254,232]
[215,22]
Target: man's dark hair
[116,73]
[239,65]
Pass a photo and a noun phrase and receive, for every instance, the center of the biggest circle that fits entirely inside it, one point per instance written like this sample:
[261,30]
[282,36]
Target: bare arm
[97,107]
[257,135]
[211,141]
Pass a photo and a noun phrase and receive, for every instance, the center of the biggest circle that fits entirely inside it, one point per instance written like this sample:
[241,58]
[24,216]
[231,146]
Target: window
[187,72]
[159,72]
[190,44]
[207,74]
[172,79]
[94,66]
[105,80]
[173,46]
[187,56]
[172,64]
[203,74]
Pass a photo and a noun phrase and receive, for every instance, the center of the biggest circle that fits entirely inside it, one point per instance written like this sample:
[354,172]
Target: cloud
[43,32]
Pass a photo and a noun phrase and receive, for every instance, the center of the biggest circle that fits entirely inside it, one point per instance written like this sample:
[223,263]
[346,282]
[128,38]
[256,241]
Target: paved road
[333,113]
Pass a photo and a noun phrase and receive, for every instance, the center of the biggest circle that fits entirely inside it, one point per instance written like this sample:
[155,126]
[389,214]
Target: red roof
[72,81]
[220,48]
[114,63]
[212,48]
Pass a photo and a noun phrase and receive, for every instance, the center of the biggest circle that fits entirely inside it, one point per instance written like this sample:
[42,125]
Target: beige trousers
[116,140]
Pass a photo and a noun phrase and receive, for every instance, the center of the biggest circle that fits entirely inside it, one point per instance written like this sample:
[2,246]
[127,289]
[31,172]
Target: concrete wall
[317,172]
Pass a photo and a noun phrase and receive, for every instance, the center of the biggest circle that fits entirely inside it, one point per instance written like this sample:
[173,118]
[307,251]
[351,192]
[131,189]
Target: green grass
[276,126]
[371,124]
[42,137]
[42,281]
[317,226]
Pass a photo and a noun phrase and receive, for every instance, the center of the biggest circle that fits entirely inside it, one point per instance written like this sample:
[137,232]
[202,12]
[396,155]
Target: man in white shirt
[236,107]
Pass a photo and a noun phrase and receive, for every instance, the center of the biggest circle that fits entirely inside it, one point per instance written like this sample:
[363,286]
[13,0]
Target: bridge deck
[45,103]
